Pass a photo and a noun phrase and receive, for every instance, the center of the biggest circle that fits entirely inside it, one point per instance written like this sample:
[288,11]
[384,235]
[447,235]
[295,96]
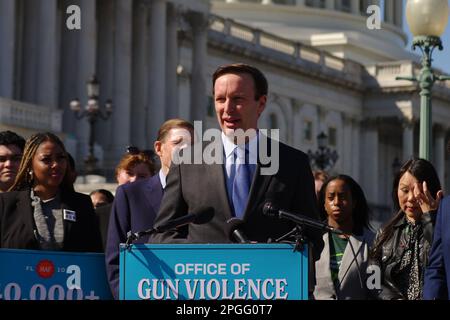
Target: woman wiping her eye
[402,247]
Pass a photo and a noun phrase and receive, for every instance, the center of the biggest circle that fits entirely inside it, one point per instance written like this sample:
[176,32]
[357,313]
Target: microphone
[203,215]
[271,211]
[234,230]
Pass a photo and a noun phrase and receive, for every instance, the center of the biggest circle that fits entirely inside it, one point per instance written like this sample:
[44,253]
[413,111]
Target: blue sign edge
[259,246]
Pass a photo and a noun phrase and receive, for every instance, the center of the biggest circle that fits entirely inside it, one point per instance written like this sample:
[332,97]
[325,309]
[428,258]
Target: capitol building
[328,71]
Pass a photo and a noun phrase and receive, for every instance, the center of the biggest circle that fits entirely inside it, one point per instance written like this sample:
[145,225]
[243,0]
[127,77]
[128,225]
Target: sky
[441,59]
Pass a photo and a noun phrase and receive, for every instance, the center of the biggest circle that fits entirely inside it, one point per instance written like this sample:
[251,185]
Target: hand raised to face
[424,198]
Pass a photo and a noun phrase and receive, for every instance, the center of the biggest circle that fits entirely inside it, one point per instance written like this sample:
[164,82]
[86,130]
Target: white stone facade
[155,59]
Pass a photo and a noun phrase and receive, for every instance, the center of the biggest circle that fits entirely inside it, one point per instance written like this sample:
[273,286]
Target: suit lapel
[66,205]
[216,175]
[25,210]
[323,264]
[259,184]
[349,257]
[257,190]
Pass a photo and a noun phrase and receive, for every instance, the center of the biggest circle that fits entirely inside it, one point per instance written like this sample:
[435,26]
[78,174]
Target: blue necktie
[241,183]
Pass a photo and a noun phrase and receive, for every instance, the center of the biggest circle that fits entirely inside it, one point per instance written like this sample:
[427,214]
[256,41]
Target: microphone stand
[134,236]
[299,240]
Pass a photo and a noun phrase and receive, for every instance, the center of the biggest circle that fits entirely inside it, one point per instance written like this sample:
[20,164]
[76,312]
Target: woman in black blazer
[42,211]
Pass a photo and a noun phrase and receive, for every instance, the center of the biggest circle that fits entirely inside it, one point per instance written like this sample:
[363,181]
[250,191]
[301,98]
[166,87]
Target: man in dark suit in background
[239,184]
[437,274]
[136,204]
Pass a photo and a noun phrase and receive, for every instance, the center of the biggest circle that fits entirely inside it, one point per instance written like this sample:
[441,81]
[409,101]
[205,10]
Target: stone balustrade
[30,116]
[300,53]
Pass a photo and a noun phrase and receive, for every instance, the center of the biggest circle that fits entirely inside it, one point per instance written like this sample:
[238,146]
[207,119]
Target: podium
[213,272]
[52,275]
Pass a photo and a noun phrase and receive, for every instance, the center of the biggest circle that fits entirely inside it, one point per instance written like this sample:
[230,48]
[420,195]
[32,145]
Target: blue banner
[52,275]
[213,271]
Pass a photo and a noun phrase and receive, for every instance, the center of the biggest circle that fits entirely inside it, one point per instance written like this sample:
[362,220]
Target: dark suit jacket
[437,273]
[134,208]
[17,222]
[192,187]
[103,213]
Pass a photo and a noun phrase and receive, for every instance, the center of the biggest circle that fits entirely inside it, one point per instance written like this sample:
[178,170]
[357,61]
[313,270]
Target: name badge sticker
[70,215]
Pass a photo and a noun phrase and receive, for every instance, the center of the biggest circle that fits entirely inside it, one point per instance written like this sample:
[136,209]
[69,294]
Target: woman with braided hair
[42,211]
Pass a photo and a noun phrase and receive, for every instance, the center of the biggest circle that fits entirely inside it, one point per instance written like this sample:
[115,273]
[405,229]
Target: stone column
[107,74]
[199,24]
[8,12]
[184,94]
[355,8]
[172,61]
[439,152]
[28,38]
[398,14]
[122,76]
[330,4]
[157,72]
[356,157]
[389,11]
[408,139]
[86,63]
[347,155]
[140,132]
[370,160]
[372,2]
[47,79]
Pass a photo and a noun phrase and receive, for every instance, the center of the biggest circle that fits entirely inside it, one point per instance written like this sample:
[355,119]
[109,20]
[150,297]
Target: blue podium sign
[213,271]
[52,275]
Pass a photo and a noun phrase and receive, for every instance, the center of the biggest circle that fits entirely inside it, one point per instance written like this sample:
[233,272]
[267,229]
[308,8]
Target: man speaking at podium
[242,181]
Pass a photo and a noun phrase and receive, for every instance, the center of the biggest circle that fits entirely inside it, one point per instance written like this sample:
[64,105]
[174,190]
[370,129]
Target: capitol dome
[337,26]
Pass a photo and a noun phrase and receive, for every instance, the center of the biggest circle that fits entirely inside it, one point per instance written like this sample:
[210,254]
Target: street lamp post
[323,158]
[92,112]
[427,20]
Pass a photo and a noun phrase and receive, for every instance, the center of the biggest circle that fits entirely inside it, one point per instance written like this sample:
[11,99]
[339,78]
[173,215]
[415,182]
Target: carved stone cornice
[371,123]
[198,21]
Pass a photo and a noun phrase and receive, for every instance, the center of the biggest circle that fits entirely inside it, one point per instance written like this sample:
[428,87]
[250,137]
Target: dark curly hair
[360,213]
[8,137]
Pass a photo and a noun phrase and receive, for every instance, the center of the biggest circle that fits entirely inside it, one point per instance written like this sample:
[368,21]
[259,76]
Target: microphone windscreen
[203,215]
[234,224]
[269,209]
